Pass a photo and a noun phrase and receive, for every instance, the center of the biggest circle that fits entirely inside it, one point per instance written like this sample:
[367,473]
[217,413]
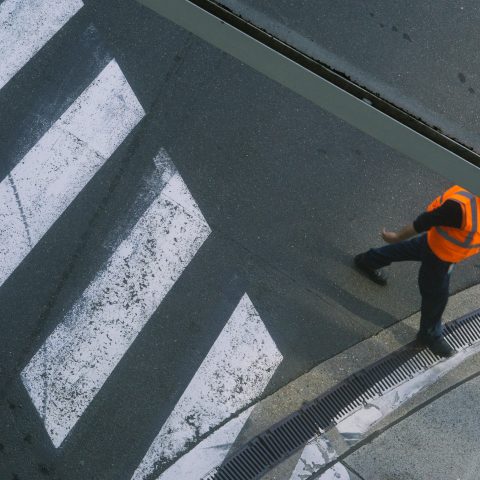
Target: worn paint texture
[70,368]
[25,27]
[314,456]
[42,185]
[209,453]
[235,371]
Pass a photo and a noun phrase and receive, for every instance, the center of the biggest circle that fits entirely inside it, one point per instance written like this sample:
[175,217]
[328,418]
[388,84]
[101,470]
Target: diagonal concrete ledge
[438,438]
[328,374]
[362,113]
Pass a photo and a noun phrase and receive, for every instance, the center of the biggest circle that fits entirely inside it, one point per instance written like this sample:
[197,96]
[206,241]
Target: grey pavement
[418,55]
[290,193]
[441,440]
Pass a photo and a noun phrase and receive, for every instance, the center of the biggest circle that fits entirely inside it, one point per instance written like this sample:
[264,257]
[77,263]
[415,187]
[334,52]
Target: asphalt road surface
[177,236]
[419,55]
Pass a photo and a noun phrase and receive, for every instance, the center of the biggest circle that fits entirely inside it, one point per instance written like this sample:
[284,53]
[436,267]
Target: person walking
[449,233]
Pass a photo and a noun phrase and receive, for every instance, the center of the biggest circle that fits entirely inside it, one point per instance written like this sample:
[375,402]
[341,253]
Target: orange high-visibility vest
[455,244]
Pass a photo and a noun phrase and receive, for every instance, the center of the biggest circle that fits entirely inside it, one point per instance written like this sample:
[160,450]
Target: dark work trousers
[433,277]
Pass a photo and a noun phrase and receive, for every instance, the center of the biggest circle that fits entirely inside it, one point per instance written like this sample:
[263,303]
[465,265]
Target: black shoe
[438,345]
[376,276]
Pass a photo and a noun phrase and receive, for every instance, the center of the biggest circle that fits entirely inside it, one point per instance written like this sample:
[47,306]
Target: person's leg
[371,261]
[411,249]
[433,281]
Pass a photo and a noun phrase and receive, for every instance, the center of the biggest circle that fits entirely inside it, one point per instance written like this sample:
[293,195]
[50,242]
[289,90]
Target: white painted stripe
[209,453]
[314,456]
[25,26]
[235,371]
[70,368]
[57,168]
[337,472]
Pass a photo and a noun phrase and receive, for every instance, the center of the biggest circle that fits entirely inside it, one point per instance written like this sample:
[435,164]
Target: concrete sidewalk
[421,426]
[433,435]
[439,441]
[426,429]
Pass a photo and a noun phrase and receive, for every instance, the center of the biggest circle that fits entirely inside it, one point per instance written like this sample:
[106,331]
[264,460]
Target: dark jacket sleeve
[449,214]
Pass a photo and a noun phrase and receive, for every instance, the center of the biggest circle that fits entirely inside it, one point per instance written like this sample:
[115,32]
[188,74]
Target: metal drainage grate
[277,443]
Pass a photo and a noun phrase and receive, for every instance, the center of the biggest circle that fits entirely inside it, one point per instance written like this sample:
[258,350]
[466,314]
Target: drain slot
[276,444]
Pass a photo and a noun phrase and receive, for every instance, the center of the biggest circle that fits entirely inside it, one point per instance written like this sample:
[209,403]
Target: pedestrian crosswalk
[236,370]
[206,455]
[44,183]
[72,365]
[25,26]
[69,369]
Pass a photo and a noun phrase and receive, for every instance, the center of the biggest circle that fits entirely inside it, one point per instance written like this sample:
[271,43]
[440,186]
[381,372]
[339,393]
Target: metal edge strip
[324,87]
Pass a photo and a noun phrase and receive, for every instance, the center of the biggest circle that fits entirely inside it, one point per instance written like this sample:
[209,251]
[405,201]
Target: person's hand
[389,237]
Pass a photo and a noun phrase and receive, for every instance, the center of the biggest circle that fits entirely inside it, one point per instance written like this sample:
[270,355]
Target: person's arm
[448,214]
[394,237]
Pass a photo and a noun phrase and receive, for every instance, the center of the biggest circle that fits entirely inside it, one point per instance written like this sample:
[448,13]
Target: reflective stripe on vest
[456,244]
[467,242]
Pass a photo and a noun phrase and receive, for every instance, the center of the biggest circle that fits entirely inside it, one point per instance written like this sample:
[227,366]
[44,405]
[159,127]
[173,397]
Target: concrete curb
[326,375]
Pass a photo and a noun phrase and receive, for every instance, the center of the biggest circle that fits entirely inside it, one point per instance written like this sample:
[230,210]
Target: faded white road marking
[25,26]
[209,453]
[70,368]
[314,456]
[55,170]
[235,371]
[337,472]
